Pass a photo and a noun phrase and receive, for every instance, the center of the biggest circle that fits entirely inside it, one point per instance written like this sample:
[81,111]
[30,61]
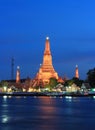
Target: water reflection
[4,118]
[94,97]
[47,105]
[4,110]
[29,113]
[68,98]
[5,98]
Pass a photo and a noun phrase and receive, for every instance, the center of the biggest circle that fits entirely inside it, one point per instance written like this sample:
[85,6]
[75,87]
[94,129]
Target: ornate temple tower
[18,75]
[46,70]
[76,72]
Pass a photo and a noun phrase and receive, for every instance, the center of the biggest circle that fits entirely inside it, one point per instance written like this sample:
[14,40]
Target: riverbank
[43,94]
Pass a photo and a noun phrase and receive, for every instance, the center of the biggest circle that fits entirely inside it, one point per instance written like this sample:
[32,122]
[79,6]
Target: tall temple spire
[47,59]
[18,75]
[46,70]
[47,47]
[76,72]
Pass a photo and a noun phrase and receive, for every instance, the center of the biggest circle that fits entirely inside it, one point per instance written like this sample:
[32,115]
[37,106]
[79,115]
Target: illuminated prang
[18,75]
[76,72]
[46,70]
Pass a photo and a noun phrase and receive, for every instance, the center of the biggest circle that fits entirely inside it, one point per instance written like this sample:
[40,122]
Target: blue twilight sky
[24,25]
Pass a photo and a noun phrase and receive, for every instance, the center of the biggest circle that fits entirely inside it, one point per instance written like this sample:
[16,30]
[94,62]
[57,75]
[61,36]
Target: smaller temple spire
[47,38]
[18,75]
[76,72]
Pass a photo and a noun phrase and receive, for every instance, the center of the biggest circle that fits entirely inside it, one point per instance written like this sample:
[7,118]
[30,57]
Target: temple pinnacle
[18,75]
[47,38]
[76,72]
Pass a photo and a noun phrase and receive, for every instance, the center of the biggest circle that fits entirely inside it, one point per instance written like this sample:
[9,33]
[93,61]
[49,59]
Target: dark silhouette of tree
[3,83]
[68,83]
[53,82]
[91,77]
[77,81]
[74,80]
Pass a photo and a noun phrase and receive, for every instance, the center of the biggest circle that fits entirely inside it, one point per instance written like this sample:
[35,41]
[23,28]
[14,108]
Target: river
[47,113]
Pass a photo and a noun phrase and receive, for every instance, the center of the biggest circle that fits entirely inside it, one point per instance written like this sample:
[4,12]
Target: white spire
[76,66]
[18,67]
[47,38]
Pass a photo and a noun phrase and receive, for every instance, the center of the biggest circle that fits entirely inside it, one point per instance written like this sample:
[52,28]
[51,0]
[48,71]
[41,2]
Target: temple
[76,72]
[46,70]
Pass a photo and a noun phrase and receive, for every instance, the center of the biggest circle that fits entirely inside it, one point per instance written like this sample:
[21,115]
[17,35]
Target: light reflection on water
[30,113]
[4,118]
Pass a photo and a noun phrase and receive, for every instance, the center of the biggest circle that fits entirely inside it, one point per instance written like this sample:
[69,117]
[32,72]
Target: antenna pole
[12,69]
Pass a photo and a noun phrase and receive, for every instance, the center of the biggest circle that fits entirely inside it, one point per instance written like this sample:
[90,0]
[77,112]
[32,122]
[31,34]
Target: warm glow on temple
[46,70]
[18,75]
[76,72]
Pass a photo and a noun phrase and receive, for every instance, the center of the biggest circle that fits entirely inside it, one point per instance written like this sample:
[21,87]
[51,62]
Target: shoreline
[43,94]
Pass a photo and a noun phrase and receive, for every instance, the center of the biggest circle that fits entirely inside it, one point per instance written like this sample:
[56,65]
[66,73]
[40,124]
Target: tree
[48,86]
[53,82]
[91,77]
[74,80]
[68,83]
[3,83]
[77,81]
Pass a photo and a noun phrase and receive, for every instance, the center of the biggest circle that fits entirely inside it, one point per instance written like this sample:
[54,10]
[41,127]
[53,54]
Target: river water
[47,113]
